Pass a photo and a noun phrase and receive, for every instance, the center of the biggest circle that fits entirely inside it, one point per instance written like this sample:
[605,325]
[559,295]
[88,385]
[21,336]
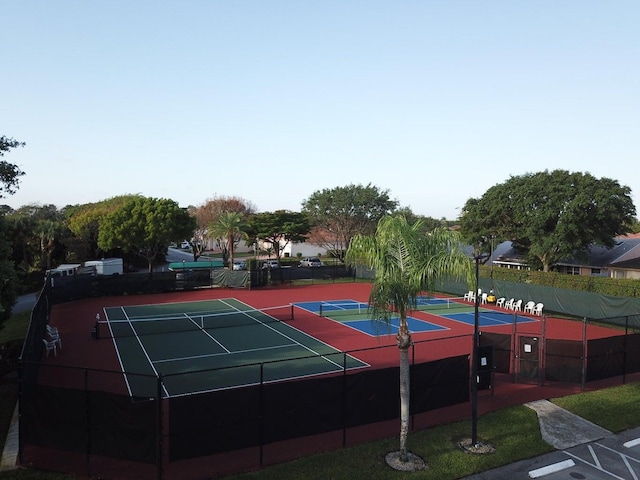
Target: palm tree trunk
[404,342]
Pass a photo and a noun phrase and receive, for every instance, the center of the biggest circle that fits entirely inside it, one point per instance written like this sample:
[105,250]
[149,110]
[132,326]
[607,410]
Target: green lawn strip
[514,433]
[615,408]
[15,328]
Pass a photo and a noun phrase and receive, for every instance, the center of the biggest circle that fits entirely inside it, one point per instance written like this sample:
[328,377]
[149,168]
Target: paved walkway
[562,429]
[10,452]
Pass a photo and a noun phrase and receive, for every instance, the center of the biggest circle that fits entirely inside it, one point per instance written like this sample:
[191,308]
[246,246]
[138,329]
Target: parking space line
[556,467]
[597,467]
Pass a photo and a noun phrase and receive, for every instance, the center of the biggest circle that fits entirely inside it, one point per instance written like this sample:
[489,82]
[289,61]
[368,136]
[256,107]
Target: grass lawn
[513,432]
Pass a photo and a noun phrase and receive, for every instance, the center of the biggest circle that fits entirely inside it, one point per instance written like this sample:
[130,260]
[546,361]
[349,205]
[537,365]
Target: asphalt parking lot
[612,457]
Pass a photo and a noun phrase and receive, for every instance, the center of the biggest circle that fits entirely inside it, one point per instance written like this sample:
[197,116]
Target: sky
[432,101]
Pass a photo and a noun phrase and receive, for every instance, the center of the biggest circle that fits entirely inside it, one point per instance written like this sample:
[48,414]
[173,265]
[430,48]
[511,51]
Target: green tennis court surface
[210,345]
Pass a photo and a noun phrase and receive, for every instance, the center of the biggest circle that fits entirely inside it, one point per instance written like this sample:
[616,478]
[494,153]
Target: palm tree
[49,232]
[231,226]
[406,263]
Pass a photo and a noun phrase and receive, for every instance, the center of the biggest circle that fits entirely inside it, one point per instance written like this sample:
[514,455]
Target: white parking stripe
[556,467]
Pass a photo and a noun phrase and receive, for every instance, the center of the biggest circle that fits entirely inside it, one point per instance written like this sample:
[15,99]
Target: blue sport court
[357,315]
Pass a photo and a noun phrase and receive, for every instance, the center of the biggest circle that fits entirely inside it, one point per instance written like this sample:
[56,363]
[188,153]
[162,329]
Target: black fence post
[584,354]
[624,350]
[88,420]
[261,416]
[160,458]
[344,399]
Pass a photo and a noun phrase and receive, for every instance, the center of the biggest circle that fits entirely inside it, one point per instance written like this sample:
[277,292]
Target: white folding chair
[50,346]
[55,338]
[528,308]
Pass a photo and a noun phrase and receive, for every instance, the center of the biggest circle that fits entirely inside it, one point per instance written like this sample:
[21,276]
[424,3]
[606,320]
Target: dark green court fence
[76,411]
[76,287]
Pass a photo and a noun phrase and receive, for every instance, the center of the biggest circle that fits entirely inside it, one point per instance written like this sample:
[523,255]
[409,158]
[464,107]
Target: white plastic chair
[537,310]
[50,346]
[517,307]
[528,308]
[509,304]
[55,338]
[500,302]
[469,296]
[484,298]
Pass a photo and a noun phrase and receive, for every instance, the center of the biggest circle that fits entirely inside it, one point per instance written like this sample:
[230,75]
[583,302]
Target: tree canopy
[145,226]
[230,227]
[550,216]
[9,173]
[338,214]
[8,287]
[208,214]
[277,228]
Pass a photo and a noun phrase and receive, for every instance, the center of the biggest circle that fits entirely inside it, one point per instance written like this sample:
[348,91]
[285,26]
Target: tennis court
[208,345]
[357,315]
[458,310]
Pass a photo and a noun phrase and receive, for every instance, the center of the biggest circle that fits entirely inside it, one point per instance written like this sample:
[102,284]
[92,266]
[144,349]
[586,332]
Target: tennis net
[338,309]
[437,304]
[192,322]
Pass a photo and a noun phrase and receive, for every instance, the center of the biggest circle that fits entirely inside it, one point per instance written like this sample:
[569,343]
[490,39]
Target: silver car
[310,262]
[270,264]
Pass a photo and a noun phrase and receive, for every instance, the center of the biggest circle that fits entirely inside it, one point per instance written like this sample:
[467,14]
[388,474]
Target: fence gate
[528,359]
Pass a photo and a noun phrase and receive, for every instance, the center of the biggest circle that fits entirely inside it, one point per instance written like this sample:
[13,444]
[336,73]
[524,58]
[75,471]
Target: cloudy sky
[434,101]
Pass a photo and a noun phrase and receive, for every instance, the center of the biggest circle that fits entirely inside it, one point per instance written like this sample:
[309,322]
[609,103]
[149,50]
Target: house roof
[625,252]
[625,249]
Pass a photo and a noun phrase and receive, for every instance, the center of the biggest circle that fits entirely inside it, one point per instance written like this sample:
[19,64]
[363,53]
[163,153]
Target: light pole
[474,359]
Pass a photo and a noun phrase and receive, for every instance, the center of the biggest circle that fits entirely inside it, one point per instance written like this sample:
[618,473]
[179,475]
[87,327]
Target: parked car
[185,245]
[310,262]
[270,264]
[239,265]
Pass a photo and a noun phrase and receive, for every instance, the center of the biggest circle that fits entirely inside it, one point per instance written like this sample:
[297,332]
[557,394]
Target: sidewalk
[10,452]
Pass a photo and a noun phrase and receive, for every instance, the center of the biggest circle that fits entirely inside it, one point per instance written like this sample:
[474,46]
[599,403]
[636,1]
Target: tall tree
[278,229]
[550,216]
[8,277]
[9,173]
[232,227]
[48,232]
[406,263]
[337,214]
[207,214]
[84,221]
[145,226]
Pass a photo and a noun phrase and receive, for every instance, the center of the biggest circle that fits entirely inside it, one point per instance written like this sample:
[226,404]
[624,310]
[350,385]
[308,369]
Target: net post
[320,311]
[292,318]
